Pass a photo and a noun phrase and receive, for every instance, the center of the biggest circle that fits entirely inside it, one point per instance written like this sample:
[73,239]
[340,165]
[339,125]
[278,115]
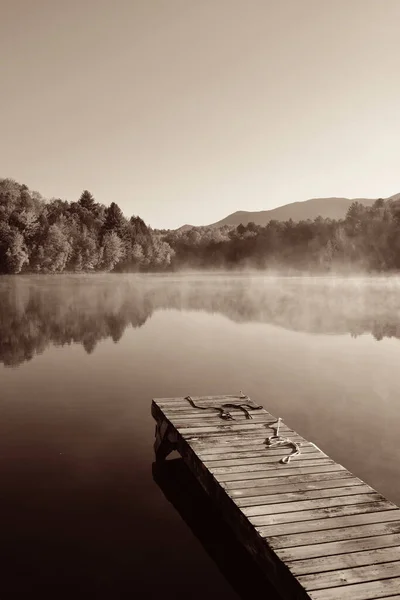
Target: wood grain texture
[312,504]
[259,456]
[351,575]
[342,481]
[359,591]
[346,546]
[318,531]
[344,561]
[296,496]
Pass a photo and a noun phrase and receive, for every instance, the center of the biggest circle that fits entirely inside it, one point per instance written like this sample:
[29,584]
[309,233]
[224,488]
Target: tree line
[82,236]
[367,239]
[59,236]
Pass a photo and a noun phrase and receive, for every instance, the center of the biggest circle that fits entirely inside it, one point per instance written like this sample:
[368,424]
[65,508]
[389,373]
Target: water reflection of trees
[37,312]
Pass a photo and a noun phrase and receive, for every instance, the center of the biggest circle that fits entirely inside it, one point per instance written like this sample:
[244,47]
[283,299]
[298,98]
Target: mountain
[185,228]
[332,208]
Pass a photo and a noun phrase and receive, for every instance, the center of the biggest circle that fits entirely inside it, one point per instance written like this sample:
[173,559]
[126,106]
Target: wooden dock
[315,529]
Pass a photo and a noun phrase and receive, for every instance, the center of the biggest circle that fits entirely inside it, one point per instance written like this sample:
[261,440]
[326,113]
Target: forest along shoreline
[84,236]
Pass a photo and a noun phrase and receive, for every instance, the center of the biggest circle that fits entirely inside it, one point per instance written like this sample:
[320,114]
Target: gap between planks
[338,536]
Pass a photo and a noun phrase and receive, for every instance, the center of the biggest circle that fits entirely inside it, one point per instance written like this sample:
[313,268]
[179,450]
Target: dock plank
[302,495]
[346,546]
[238,444]
[321,483]
[350,576]
[312,566]
[243,466]
[318,513]
[258,458]
[344,577]
[360,591]
[336,523]
[232,438]
[274,479]
[274,472]
[285,540]
[323,503]
[318,531]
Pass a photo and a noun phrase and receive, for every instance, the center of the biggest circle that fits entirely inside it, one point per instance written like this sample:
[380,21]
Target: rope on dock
[225,414]
[278,440]
[272,441]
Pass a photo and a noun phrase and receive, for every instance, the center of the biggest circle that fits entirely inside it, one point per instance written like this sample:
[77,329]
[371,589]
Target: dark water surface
[83,514]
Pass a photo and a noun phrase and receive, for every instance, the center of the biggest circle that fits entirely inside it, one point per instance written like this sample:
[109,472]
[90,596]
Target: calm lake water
[81,358]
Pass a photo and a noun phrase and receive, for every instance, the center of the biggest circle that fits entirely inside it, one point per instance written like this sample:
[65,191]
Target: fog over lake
[81,357]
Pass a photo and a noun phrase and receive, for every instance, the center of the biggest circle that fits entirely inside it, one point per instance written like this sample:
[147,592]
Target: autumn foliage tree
[84,236]
[80,236]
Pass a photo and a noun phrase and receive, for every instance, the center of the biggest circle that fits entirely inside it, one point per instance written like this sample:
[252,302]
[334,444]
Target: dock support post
[165,441]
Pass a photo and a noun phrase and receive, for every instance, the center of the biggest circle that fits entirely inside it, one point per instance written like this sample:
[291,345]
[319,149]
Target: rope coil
[278,440]
[225,414]
[271,442]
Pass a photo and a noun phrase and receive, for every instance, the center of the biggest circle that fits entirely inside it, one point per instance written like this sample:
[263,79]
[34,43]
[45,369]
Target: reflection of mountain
[38,311]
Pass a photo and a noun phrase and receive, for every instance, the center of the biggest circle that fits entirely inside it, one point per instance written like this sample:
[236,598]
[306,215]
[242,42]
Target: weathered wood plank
[301,486]
[281,540]
[208,399]
[263,457]
[344,561]
[215,421]
[391,597]
[212,409]
[250,450]
[204,402]
[205,447]
[311,516]
[248,426]
[320,532]
[272,465]
[336,523]
[359,591]
[230,434]
[349,576]
[271,480]
[274,471]
[166,403]
[303,495]
[239,407]
[231,438]
[323,503]
[211,417]
[340,547]
[210,404]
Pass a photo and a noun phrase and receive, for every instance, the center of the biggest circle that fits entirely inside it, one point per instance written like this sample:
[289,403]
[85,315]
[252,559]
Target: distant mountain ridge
[328,208]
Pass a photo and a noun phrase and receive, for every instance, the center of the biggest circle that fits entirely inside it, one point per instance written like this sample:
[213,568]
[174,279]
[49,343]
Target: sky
[184,111]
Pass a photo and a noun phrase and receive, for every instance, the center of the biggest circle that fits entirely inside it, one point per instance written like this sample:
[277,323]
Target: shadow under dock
[181,488]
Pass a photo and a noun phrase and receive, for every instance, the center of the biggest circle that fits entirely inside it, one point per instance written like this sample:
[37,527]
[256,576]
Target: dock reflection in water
[194,506]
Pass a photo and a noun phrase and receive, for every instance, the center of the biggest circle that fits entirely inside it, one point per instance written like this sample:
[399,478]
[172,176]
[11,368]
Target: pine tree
[86,200]
[115,220]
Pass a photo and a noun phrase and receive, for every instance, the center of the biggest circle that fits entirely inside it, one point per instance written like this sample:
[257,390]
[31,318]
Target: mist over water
[82,356]
[40,311]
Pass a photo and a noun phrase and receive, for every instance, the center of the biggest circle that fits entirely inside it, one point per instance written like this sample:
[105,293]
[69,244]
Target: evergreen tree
[86,200]
[114,220]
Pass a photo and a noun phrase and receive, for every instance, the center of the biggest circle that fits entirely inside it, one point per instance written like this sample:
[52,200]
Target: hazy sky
[183,111]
